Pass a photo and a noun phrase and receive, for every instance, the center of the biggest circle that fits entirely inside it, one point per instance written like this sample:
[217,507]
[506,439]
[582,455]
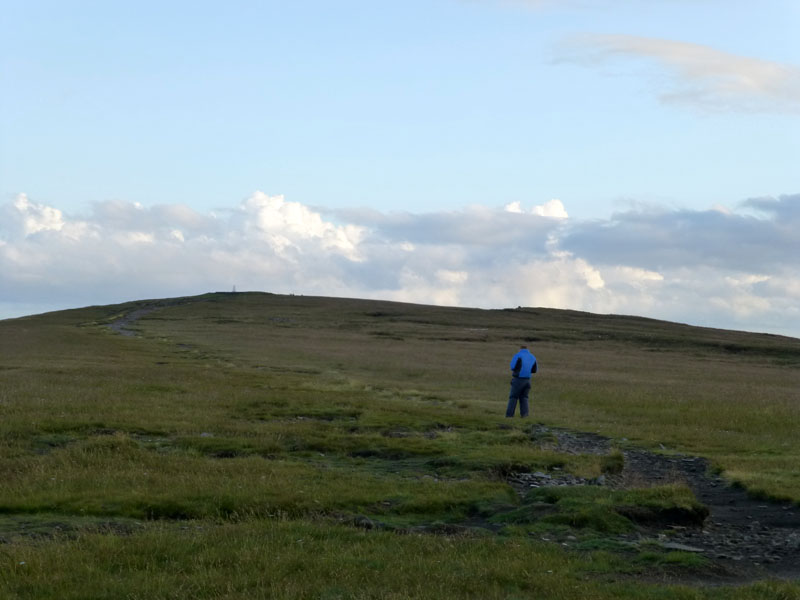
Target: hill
[256,445]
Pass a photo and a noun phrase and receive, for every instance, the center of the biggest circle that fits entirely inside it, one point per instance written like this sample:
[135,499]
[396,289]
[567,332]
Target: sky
[614,156]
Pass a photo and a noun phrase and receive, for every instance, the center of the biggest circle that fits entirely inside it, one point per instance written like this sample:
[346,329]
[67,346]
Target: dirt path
[746,538]
[122,324]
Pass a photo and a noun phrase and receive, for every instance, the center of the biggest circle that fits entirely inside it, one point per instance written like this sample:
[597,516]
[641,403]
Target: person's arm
[535,368]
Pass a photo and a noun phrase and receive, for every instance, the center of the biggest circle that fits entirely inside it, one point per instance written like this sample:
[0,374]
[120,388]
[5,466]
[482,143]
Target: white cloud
[726,269]
[722,209]
[286,225]
[637,276]
[552,208]
[450,277]
[739,297]
[592,276]
[702,77]
[136,237]
[36,217]
[424,287]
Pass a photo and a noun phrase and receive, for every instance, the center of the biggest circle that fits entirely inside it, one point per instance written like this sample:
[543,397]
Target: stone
[362,521]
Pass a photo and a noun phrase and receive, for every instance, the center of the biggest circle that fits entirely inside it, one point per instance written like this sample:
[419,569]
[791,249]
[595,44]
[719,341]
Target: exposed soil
[122,324]
[745,538]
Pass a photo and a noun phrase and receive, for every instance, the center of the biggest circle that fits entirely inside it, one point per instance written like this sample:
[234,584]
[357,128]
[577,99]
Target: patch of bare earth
[122,324]
[744,538]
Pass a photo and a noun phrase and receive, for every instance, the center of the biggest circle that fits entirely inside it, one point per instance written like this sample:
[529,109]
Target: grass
[243,440]
[597,510]
[290,559]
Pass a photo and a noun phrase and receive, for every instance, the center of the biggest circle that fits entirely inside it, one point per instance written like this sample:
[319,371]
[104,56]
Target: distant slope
[522,323]
[525,323]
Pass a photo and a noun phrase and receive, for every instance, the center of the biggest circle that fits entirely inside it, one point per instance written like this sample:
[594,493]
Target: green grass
[289,559]
[243,441]
[603,510]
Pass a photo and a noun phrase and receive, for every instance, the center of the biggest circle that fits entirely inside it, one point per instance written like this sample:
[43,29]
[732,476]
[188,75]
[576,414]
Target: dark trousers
[520,387]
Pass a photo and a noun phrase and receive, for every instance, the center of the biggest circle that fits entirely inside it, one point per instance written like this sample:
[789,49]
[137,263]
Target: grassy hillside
[256,445]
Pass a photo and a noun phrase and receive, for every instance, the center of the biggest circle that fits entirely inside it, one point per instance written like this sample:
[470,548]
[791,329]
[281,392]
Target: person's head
[523,347]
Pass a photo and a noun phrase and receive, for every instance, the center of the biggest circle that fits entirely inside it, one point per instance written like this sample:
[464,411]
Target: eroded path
[745,536]
[122,324]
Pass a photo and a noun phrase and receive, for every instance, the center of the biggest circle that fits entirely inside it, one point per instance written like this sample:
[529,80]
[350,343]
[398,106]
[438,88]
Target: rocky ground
[743,537]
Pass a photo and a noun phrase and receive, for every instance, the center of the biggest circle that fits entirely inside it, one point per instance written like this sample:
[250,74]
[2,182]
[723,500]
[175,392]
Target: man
[523,364]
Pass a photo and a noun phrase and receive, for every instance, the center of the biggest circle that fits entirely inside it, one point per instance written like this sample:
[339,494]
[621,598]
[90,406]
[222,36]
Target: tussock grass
[272,559]
[230,448]
[116,477]
[605,511]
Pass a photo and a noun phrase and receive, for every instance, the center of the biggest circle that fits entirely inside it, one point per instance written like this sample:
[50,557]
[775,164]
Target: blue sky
[613,156]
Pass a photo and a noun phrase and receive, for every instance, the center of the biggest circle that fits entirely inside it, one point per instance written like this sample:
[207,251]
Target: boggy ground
[744,538]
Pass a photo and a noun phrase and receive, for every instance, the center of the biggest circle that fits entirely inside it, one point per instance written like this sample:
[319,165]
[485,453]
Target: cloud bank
[698,76]
[731,268]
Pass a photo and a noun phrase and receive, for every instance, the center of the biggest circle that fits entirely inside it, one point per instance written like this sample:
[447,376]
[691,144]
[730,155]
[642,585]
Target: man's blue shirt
[523,364]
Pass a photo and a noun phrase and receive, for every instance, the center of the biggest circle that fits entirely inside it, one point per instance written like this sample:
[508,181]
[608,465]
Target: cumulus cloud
[293,229]
[553,208]
[125,250]
[36,217]
[700,76]
[732,267]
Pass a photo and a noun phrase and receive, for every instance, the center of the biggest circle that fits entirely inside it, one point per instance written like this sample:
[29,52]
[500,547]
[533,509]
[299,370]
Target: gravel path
[746,538]
[122,324]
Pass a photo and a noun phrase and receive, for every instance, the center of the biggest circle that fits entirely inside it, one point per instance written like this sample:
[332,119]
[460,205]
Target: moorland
[253,445]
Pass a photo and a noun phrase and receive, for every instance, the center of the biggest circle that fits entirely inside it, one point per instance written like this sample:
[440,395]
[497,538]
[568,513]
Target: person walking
[523,365]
